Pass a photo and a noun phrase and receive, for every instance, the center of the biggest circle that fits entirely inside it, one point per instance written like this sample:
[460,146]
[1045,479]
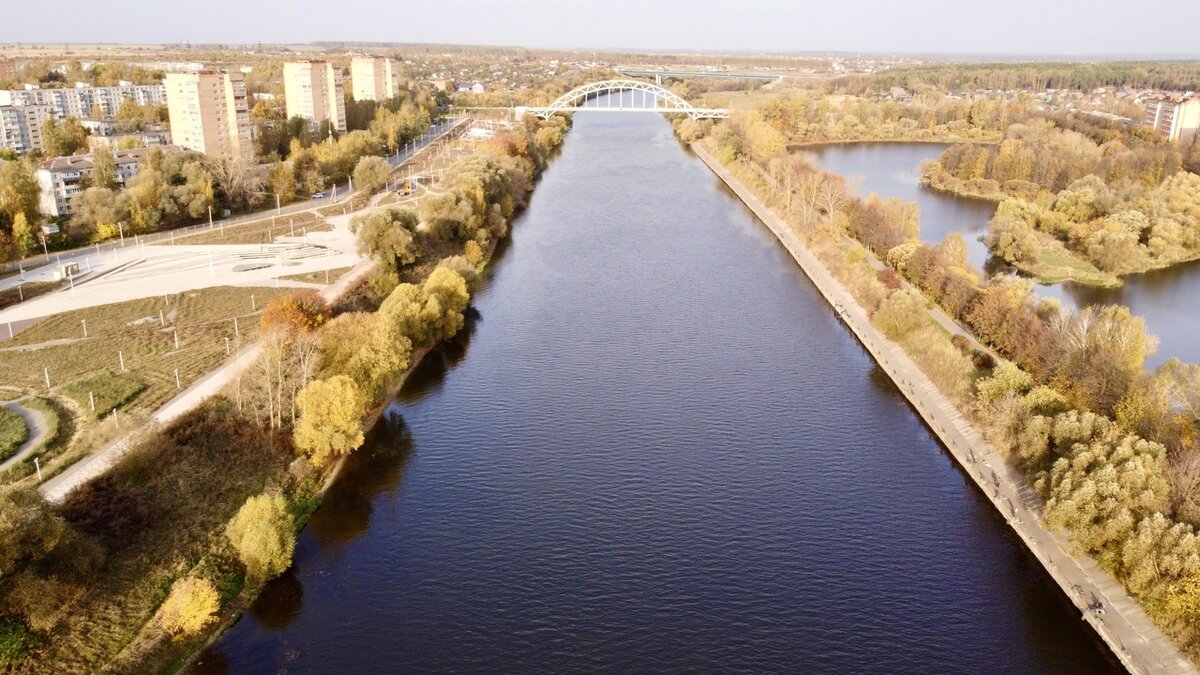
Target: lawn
[258,231]
[99,394]
[1053,263]
[326,277]
[13,296]
[13,432]
[131,331]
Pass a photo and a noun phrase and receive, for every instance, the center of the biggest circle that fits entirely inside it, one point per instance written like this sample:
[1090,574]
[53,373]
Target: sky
[1017,27]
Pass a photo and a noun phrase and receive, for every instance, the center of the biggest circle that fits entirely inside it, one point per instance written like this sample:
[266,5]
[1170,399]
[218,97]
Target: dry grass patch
[258,231]
[13,432]
[323,277]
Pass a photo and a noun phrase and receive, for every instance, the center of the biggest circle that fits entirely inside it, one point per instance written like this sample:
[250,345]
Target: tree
[388,236]
[29,528]
[264,535]
[64,138]
[22,235]
[301,311]
[371,174]
[282,180]
[330,423]
[368,349]
[19,191]
[92,207]
[192,604]
[104,169]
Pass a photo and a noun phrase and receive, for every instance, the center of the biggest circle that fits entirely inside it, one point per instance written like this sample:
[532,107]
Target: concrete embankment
[1131,635]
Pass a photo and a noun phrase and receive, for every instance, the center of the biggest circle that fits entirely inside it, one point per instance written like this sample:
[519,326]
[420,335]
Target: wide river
[655,449]
[1166,299]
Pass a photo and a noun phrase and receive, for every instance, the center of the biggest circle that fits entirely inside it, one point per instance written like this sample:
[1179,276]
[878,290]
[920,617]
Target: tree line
[959,77]
[207,508]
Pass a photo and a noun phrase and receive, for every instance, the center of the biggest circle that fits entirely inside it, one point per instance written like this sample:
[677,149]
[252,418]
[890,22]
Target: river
[654,449]
[1164,298]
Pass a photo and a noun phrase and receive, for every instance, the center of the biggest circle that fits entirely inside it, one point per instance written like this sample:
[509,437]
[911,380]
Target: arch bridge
[654,98]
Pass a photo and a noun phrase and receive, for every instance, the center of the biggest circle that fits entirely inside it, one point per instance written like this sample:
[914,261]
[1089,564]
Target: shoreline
[1008,491]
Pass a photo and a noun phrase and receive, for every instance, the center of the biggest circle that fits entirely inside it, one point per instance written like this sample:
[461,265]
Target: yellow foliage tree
[330,423]
[192,604]
[264,534]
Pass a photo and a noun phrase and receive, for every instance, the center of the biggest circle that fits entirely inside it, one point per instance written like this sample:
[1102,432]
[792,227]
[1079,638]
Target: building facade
[62,178]
[21,127]
[313,90]
[209,114]
[84,101]
[374,78]
[1176,117]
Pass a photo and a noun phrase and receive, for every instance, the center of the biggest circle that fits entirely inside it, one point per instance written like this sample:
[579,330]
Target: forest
[961,77]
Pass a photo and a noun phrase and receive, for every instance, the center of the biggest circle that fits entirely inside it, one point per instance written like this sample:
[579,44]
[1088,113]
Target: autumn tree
[29,528]
[330,423]
[301,311]
[104,169]
[64,138]
[366,348]
[264,535]
[388,236]
[371,174]
[19,191]
[22,235]
[191,605]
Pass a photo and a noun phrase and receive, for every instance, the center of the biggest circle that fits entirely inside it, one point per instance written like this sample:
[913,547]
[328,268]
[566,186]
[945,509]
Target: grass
[1052,263]
[323,277]
[158,514]
[13,296]
[355,203]
[52,451]
[13,432]
[106,390]
[258,231]
[131,330]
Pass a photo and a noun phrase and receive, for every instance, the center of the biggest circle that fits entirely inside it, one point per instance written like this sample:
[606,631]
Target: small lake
[1169,300]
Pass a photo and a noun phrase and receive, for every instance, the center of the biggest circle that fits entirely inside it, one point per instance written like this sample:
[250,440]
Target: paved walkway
[38,429]
[1129,632]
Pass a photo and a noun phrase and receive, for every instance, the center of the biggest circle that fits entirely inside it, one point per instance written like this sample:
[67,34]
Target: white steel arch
[665,101]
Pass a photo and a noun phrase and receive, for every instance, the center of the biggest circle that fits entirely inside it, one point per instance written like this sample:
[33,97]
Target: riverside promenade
[1131,635]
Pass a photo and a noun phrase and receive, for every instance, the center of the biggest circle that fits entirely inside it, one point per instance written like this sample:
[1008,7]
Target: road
[97,254]
[1132,636]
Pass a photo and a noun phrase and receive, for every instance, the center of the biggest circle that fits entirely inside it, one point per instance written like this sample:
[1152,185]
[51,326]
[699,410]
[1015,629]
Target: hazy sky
[878,26]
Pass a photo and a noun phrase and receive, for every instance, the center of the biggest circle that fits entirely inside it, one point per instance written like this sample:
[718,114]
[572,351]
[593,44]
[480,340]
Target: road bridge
[654,98]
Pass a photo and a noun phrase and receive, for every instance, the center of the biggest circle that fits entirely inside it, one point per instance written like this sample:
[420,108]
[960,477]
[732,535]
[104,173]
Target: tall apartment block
[21,127]
[374,78]
[1176,117]
[313,90]
[209,114]
[84,101]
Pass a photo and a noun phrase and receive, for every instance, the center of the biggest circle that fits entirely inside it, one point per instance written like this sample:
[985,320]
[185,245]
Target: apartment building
[21,127]
[1176,117]
[61,178]
[209,114]
[83,101]
[313,90]
[374,78]
[9,70]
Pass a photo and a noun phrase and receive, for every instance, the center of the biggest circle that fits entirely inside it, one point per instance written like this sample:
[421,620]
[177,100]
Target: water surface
[654,450]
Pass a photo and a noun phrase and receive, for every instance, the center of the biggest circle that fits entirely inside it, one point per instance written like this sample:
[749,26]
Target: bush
[298,312]
[900,314]
[264,535]
[108,390]
[192,604]
[13,432]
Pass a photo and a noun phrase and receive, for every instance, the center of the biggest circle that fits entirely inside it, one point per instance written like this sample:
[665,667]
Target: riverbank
[1128,631]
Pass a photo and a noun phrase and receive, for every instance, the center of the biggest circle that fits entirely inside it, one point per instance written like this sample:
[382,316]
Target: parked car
[319,195]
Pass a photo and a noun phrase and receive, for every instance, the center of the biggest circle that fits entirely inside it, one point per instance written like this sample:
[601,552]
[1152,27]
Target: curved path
[38,430]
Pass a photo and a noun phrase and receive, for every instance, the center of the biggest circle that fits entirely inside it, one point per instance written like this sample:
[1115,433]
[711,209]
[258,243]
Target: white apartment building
[81,100]
[62,178]
[209,114]
[374,78]
[1176,117]
[313,90]
[21,127]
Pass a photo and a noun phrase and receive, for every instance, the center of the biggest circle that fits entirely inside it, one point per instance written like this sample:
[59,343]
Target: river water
[654,449]
[1166,299]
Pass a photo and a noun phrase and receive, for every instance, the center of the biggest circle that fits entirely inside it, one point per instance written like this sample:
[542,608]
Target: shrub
[889,278]
[264,535]
[900,314]
[473,252]
[29,528]
[192,604]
